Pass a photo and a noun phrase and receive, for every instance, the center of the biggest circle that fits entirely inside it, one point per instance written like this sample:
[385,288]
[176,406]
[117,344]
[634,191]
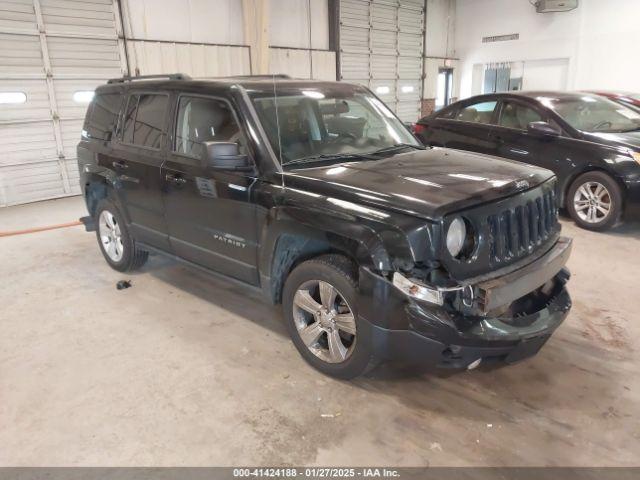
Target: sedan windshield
[595,114]
[337,123]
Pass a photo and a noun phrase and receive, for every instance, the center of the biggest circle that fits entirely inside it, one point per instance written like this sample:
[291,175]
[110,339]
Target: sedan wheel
[325,321]
[592,202]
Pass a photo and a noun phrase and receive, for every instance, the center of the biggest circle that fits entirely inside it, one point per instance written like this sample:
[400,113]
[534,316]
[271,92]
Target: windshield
[337,122]
[595,114]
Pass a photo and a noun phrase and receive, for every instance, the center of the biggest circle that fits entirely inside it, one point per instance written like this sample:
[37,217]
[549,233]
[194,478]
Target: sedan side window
[518,116]
[204,120]
[477,113]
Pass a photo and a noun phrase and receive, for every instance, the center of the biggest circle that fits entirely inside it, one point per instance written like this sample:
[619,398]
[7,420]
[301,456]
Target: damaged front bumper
[508,317]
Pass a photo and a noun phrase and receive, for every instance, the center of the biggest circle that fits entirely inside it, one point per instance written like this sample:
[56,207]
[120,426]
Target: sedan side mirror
[226,156]
[544,128]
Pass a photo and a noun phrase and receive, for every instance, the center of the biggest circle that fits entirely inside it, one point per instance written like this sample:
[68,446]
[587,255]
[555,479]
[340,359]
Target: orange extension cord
[40,229]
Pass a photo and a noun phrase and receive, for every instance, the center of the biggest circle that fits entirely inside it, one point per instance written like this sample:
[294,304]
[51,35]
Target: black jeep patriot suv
[316,193]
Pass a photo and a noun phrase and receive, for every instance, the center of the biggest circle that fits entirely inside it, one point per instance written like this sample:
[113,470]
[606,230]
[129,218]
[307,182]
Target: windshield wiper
[326,156]
[397,146]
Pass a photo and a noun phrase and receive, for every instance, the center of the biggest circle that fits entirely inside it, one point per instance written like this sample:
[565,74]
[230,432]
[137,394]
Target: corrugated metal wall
[381,46]
[49,51]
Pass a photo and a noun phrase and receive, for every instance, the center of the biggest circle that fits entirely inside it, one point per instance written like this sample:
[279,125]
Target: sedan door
[210,215]
[513,140]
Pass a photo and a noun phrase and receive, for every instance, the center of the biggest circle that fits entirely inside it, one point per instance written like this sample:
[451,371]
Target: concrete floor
[186,369]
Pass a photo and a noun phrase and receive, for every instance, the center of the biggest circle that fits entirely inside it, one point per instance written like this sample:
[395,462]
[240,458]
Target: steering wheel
[602,124]
[344,136]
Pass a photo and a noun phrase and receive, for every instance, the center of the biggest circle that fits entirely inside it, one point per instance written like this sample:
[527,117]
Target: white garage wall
[597,42]
[197,21]
[205,38]
[299,39]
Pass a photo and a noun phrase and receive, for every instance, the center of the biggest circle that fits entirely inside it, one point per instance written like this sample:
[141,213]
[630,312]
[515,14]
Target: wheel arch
[286,242]
[566,186]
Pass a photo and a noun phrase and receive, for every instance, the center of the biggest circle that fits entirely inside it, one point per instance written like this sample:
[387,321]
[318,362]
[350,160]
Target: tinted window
[144,120]
[515,115]
[102,115]
[203,120]
[477,113]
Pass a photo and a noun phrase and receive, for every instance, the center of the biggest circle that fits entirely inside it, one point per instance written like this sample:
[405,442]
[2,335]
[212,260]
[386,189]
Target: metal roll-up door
[53,54]
[381,46]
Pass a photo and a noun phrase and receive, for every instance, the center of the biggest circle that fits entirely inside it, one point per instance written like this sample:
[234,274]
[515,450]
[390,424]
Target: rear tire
[116,244]
[594,201]
[319,304]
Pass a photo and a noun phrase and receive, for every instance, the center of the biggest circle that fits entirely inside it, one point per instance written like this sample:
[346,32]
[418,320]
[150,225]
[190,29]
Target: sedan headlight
[456,236]
[636,156]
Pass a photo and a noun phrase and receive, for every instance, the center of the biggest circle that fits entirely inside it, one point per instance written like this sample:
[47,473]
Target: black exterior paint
[388,215]
[568,155]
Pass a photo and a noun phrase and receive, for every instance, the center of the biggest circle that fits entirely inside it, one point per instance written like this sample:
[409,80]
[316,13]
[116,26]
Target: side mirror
[226,156]
[544,128]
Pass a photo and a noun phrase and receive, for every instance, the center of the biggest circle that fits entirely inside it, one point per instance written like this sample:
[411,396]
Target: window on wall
[203,120]
[8,98]
[144,120]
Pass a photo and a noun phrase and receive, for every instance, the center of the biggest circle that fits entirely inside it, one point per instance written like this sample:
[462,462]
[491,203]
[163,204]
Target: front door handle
[175,179]
[119,165]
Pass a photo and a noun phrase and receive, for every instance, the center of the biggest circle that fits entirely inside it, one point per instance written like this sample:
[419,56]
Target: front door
[137,156]
[211,220]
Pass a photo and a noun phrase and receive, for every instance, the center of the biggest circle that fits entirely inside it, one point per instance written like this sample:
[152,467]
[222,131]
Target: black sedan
[591,143]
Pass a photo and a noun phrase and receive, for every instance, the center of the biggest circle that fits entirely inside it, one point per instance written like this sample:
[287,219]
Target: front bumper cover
[401,328]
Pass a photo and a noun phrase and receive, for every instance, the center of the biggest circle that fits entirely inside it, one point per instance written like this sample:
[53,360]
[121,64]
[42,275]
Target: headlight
[636,156]
[455,236]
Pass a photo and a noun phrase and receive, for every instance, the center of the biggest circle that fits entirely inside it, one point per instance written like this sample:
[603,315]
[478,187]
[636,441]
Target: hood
[624,139]
[426,183]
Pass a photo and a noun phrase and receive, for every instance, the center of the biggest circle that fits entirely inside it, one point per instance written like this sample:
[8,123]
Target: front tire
[594,201]
[320,310]
[116,244]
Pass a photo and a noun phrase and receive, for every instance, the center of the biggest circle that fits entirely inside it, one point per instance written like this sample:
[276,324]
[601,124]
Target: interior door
[511,137]
[210,216]
[137,157]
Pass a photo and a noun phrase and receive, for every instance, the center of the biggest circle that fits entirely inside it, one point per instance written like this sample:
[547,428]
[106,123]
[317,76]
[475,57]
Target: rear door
[211,220]
[467,128]
[137,156]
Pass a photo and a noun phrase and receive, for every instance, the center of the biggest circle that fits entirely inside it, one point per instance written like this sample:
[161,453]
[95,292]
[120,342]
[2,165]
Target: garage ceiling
[381,47]
[54,52]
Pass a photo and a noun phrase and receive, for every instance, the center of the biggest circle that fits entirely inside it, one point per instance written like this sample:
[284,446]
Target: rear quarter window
[102,115]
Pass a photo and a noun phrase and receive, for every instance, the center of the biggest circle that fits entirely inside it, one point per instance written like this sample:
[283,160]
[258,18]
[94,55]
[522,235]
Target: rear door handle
[175,179]
[119,164]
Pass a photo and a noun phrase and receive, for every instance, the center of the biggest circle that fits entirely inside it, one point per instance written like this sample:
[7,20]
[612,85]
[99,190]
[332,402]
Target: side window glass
[515,115]
[477,113]
[150,119]
[102,115]
[452,113]
[203,120]
[129,119]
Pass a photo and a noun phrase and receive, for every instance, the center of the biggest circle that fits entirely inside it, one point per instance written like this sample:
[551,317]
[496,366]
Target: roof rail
[261,77]
[169,76]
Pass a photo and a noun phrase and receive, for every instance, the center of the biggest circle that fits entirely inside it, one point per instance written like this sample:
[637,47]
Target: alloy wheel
[592,202]
[325,321]
[110,235]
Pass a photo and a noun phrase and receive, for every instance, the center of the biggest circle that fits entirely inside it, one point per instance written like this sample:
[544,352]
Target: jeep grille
[519,230]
